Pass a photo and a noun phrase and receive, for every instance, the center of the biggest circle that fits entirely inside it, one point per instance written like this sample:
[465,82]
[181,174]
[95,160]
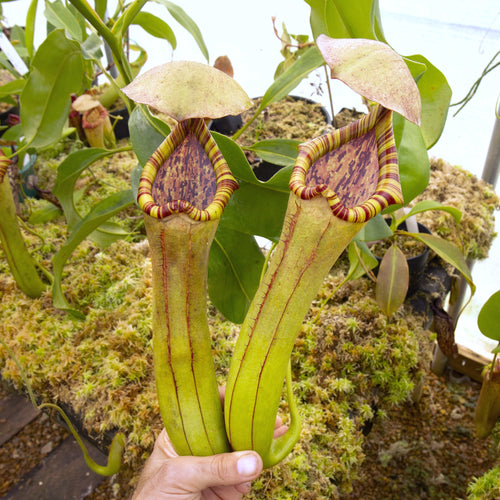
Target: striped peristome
[388,189]
[4,165]
[224,181]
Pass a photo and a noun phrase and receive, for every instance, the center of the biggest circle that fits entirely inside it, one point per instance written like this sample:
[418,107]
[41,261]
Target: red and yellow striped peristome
[355,168]
[4,165]
[186,174]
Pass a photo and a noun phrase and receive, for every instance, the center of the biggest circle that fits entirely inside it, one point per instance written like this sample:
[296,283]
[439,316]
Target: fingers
[221,470]
[279,428]
[180,477]
[225,476]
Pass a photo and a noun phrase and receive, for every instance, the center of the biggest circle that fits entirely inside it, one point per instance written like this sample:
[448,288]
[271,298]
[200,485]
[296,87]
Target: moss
[473,197]
[351,364]
[487,487]
[102,366]
[289,118]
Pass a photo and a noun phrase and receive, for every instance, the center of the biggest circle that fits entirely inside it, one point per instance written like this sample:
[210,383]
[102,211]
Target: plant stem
[330,96]
[245,126]
[128,16]
[114,42]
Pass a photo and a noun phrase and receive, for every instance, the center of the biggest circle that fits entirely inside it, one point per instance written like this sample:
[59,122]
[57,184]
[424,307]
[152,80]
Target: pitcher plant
[183,190]
[339,182]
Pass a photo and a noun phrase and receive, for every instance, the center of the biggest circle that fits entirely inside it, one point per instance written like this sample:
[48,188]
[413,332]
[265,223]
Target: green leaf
[11,101]
[91,47]
[97,216]
[488,319]
[68,173]
[424,206]
[356,269]
[449,252]
[281,152]
[187,23]
[234,270]
[155,27]
[235,158]
[146,133]
[12,88]
[5,63]
[30,27]
[46,213]
[344,18]
[287,81]
[376,22]
[392,281]
[13,134]
[100,7]
[435,94]
[417,69]
[256,208]
[17,37]
[375,229]
[61,17]
[414,165]
[57,72]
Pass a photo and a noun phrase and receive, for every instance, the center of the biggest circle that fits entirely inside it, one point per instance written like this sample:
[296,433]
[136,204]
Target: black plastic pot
[121,117]
[416,264]
[227,125]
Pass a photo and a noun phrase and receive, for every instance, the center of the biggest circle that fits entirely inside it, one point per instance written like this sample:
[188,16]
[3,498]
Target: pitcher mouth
[212,188]
[369,182]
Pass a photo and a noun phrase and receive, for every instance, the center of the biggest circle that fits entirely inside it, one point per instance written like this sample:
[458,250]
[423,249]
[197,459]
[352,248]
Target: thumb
[226,469]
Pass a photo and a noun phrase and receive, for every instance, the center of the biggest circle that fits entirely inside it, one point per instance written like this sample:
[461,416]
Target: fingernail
[247,465]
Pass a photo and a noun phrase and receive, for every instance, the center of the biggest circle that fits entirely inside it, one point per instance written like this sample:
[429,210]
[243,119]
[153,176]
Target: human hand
[223,477]
[227,476]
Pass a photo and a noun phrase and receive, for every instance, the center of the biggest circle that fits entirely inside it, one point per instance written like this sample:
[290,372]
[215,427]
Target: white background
[458,36]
